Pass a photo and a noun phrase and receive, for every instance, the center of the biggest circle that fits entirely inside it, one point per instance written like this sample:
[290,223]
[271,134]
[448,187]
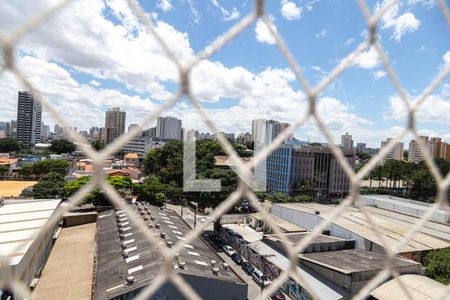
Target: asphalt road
[254,290]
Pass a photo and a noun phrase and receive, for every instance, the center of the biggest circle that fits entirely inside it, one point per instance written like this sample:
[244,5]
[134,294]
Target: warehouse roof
[144,260]
[354,260]
[392,225]
[20,223]
[419,288]
[322,288]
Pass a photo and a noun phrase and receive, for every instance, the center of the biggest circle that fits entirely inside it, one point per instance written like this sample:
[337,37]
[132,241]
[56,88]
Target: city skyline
[361,100]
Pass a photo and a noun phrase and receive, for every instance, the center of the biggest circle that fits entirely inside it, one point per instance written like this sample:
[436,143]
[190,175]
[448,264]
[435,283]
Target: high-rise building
[290,164]
[346,141]
[395,153]
[168,128]
[13,132]
[131,126]
[29,115]
[244,138]
[5,129]
[361,147]
[438,147]
[415,153]
[94,133]
[151,132]
[265,131]
[45,132]
[114,123]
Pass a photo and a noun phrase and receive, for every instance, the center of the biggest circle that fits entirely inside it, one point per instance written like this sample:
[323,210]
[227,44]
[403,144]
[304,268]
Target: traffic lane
[254,290]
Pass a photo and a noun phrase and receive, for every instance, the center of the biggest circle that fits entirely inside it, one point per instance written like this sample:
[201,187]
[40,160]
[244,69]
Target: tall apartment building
[13,132]
[168,128]
[290,164]
[114,123]
[396,153]
[438,147]
[415,153]
[244,138]
[346,141]
[131,126]
[45,132]
[265,131]
[29,117]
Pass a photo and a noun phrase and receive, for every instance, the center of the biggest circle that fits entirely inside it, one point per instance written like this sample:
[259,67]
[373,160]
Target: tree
[4,169]
[437,265]
[303,198]
[98,145]
[278,197]
[152,189]
[43,167]
[49,186]
[8,145]
[62,146]
[122,184]
[160,199]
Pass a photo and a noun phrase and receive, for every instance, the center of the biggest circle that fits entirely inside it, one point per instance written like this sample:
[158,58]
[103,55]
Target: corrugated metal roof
[393,226]
[419,288]
[20,223]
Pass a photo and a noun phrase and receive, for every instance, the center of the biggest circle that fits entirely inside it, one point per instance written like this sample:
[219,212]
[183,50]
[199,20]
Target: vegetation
[98,145]
[4,170]
[278,197]
[44,167]
[8,145]
[437,265]
[416,179]
[62,146]
[49,186]
[152,188]
[122,184]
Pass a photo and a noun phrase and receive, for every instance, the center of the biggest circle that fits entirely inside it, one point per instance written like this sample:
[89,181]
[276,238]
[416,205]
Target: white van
[260,278]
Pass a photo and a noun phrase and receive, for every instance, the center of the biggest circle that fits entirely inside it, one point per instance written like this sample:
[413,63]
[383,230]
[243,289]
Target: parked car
[228,250]
[217,240]
[278,296]
[248,267]
[237,258]
[260,278]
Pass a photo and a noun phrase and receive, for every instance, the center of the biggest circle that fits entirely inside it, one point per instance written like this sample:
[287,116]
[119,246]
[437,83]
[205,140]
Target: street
[254,290]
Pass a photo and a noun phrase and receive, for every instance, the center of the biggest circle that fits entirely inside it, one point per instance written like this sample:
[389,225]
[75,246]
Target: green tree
[160,199]
[8,145]
[49,186]
[152,188]
[278,197]
[98,145]
[4,169]
[62,146]
[43,167]
[122,184]
[437,265]
[26,171]
[303,198]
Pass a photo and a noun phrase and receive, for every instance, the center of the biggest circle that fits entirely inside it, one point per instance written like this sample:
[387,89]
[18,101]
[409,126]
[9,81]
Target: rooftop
[354,260]
[248,233]
[284,225]
[323,288]
[65,275]
[144,261]
[419,288]
[20,223]
[392,225]
[132,156]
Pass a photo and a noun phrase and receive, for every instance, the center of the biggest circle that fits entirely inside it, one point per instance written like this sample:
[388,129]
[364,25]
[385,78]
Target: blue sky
[96,54]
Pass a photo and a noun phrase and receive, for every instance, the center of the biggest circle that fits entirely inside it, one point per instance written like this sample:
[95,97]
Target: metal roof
[20,223]
[392,225]
[144,260]
[419,288]
[321,287]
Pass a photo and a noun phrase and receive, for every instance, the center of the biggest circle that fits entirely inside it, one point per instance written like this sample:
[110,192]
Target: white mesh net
[8,41]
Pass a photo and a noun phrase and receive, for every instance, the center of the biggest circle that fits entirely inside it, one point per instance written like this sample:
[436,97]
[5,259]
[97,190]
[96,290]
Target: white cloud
[194,11]
[400,23]
[349,41]
[227,15]
[263,34]
[446,58]
[427,3]
[378,74]
[368,59]
[434,110]
[323,33]
[290,10]
[95,83]
[165,5]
